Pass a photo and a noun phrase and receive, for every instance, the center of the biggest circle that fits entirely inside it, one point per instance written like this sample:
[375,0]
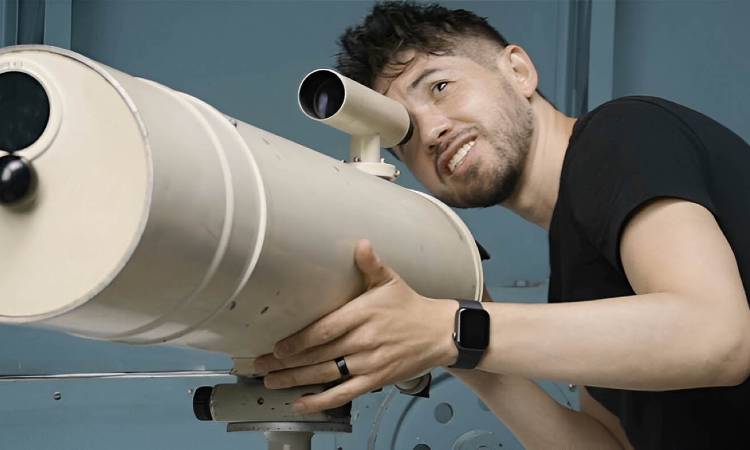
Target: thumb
[374,271]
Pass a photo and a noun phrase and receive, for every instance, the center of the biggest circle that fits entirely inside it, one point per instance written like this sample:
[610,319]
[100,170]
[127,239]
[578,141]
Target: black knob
[16,179]
[202,403]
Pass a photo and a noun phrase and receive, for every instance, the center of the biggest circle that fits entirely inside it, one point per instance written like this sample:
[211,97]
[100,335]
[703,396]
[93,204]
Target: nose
[432,126]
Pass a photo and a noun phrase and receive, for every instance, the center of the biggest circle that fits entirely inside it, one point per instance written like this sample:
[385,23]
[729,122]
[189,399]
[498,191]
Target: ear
[520,70]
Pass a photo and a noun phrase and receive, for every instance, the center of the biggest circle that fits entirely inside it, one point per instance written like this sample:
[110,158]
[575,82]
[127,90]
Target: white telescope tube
[157,219]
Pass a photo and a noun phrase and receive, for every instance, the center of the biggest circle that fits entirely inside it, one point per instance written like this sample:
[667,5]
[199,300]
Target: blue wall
[696,53]
[246,58]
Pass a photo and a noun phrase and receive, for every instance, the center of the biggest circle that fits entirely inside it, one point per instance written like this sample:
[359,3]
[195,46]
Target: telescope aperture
[322,94]
[24,110]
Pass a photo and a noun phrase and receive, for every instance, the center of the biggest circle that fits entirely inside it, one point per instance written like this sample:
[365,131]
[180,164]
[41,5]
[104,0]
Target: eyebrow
[421,78]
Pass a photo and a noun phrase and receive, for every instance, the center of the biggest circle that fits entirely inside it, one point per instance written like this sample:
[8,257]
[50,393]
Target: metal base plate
[312,427]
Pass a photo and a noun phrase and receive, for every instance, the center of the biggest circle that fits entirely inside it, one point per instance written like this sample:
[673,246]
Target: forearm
[535,418]
[652,342]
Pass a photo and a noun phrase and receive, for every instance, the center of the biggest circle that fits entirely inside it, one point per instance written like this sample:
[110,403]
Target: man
[646,205]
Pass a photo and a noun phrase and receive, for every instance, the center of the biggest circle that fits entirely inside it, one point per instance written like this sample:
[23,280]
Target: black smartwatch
[471,333]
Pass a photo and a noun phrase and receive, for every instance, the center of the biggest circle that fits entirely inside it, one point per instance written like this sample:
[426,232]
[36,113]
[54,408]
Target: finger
[325,372]
[323,331]
[351,343]
[303,376]
[376,273]
[345,318]
[336,396]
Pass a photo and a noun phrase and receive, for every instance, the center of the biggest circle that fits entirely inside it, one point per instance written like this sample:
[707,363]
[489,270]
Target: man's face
[472,130]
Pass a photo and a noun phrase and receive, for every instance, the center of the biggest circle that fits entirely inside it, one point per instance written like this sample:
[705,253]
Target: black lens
[321,94]
[24,110]
[328,98]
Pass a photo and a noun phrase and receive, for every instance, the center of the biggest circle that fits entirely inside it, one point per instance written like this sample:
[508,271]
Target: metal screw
[57,396]
[571,387]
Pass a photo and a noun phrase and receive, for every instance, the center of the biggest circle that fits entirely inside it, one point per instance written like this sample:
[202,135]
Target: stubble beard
[491,185]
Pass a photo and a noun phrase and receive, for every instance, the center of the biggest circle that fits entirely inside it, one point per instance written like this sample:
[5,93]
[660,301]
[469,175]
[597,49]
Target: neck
[536,194]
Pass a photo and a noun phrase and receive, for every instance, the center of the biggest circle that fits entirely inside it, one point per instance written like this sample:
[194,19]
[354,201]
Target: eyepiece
[322,94]
[24,110]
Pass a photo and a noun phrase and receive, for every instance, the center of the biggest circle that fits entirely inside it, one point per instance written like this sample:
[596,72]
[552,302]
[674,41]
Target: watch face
[473,328]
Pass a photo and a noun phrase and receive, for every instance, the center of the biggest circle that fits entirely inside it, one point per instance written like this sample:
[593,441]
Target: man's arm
[536,419]
[689,325]
[699,276]
[593,408]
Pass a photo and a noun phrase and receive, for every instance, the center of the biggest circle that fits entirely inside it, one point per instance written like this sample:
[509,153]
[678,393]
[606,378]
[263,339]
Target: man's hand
[388,334]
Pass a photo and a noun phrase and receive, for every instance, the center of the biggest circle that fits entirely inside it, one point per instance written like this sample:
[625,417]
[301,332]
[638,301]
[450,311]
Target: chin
[477,194]
[472,200]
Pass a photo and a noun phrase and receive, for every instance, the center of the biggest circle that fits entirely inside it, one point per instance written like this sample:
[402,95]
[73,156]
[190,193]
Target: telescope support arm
[364,154]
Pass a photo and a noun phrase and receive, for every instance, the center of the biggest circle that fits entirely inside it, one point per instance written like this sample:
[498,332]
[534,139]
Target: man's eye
[440,86]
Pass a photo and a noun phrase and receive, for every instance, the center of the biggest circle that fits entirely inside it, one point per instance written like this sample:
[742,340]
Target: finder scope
[331,98]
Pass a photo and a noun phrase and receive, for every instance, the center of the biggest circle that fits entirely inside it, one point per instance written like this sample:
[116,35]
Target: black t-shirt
[622,155]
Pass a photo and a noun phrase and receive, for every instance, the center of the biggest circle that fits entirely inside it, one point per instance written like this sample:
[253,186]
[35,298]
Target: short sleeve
[625,154]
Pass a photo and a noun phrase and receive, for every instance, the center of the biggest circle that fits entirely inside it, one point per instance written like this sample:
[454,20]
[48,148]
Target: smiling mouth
[459,157]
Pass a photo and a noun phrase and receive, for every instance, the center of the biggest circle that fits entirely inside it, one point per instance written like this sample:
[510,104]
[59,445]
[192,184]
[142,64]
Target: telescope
[134,213]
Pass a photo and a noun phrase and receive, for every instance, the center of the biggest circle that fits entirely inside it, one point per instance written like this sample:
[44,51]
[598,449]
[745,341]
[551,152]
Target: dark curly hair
[393,26]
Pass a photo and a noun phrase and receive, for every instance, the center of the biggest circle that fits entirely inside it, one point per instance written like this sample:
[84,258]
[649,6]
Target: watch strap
[468,358]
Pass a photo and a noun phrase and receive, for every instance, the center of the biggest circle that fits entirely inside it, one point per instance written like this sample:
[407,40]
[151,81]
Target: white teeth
[459,156]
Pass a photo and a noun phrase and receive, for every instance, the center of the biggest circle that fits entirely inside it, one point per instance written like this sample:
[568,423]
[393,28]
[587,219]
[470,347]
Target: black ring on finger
[341,365]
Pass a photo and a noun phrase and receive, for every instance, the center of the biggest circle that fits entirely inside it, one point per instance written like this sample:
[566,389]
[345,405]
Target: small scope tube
[331,98]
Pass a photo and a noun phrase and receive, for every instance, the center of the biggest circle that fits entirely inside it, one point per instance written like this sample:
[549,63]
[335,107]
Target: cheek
[480,105]
[423,169]
[468,102]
